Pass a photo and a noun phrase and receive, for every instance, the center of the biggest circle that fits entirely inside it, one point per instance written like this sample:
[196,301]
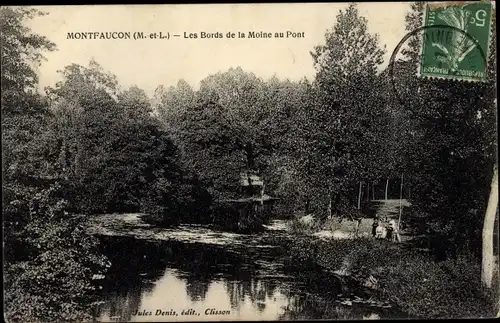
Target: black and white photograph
[249,162]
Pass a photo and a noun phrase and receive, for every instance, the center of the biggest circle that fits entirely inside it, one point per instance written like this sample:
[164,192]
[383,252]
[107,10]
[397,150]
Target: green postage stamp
[456,40]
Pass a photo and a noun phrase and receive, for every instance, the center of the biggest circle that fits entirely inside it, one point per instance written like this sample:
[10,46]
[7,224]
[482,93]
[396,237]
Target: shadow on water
[248,280]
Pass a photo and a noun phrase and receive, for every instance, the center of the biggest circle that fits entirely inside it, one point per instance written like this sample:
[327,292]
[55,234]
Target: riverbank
[336,228]
[246,273]
[365,271]
[403,273]
[407,278]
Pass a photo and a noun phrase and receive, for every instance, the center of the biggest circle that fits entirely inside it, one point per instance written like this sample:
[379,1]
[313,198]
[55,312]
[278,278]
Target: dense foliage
[34,219]
[452,152]
[86,147]
[417,285]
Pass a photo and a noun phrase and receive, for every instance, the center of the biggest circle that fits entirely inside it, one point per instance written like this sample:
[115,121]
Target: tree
[239,95]
[488,259]
[287,125]
[348,105]
[42,239]
[172,103]
[24,112]
[86,129]
[221,132]
[114,152]
[21,50]
[452,130]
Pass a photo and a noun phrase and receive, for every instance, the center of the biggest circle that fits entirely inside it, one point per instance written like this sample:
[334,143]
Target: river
[195,273]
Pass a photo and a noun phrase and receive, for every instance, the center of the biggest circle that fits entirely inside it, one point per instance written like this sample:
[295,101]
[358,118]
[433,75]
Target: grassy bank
[412,281]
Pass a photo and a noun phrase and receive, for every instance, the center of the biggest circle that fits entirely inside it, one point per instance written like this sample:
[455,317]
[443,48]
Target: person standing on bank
[394,231]
[391,230]
[374,226]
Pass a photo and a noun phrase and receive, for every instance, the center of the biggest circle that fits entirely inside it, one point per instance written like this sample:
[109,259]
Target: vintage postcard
[249,162]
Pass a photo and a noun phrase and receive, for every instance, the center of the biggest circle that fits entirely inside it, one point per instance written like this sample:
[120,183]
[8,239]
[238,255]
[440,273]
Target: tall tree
[453,126]
[41,237]
[173,103]
[491,212]
[223,133]
[286,125]
[21,50]
[348,104]
[24,112]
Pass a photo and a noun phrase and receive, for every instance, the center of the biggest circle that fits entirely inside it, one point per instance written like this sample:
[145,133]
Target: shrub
[301,250]
[332,224]
[414,282]
[424,288]
[54,281]
[295,226]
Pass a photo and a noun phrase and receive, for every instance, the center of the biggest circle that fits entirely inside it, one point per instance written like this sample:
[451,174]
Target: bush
[300,251]
[327,254]
[424,288]
[332,224]
[295,226]
[412,281]
[54,281]
[55,286]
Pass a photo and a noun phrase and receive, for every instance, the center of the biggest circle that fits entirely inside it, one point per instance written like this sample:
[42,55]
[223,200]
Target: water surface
[194,273]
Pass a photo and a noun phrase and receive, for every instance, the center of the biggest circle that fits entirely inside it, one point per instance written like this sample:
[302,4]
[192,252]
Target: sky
[149,63]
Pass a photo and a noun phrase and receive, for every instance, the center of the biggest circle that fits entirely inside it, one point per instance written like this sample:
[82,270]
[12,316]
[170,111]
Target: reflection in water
[250,300]
[123,305]
[163,280]
[258,292]
[197,286]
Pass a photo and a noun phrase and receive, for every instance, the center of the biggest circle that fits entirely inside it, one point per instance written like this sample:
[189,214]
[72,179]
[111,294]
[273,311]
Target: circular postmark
[444,51]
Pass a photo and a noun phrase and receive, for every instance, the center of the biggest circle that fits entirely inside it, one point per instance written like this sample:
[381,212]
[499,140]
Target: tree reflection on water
[179,276]
[259,292]
[197,286]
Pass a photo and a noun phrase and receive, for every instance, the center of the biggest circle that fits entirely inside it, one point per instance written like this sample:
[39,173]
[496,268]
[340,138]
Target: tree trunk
[373,191]
[400,208]
[359,195]
[329,210]
[488,227]
[64,159]
[262,194]
[335,205]
[78,159]
[386,188]
[367,191]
